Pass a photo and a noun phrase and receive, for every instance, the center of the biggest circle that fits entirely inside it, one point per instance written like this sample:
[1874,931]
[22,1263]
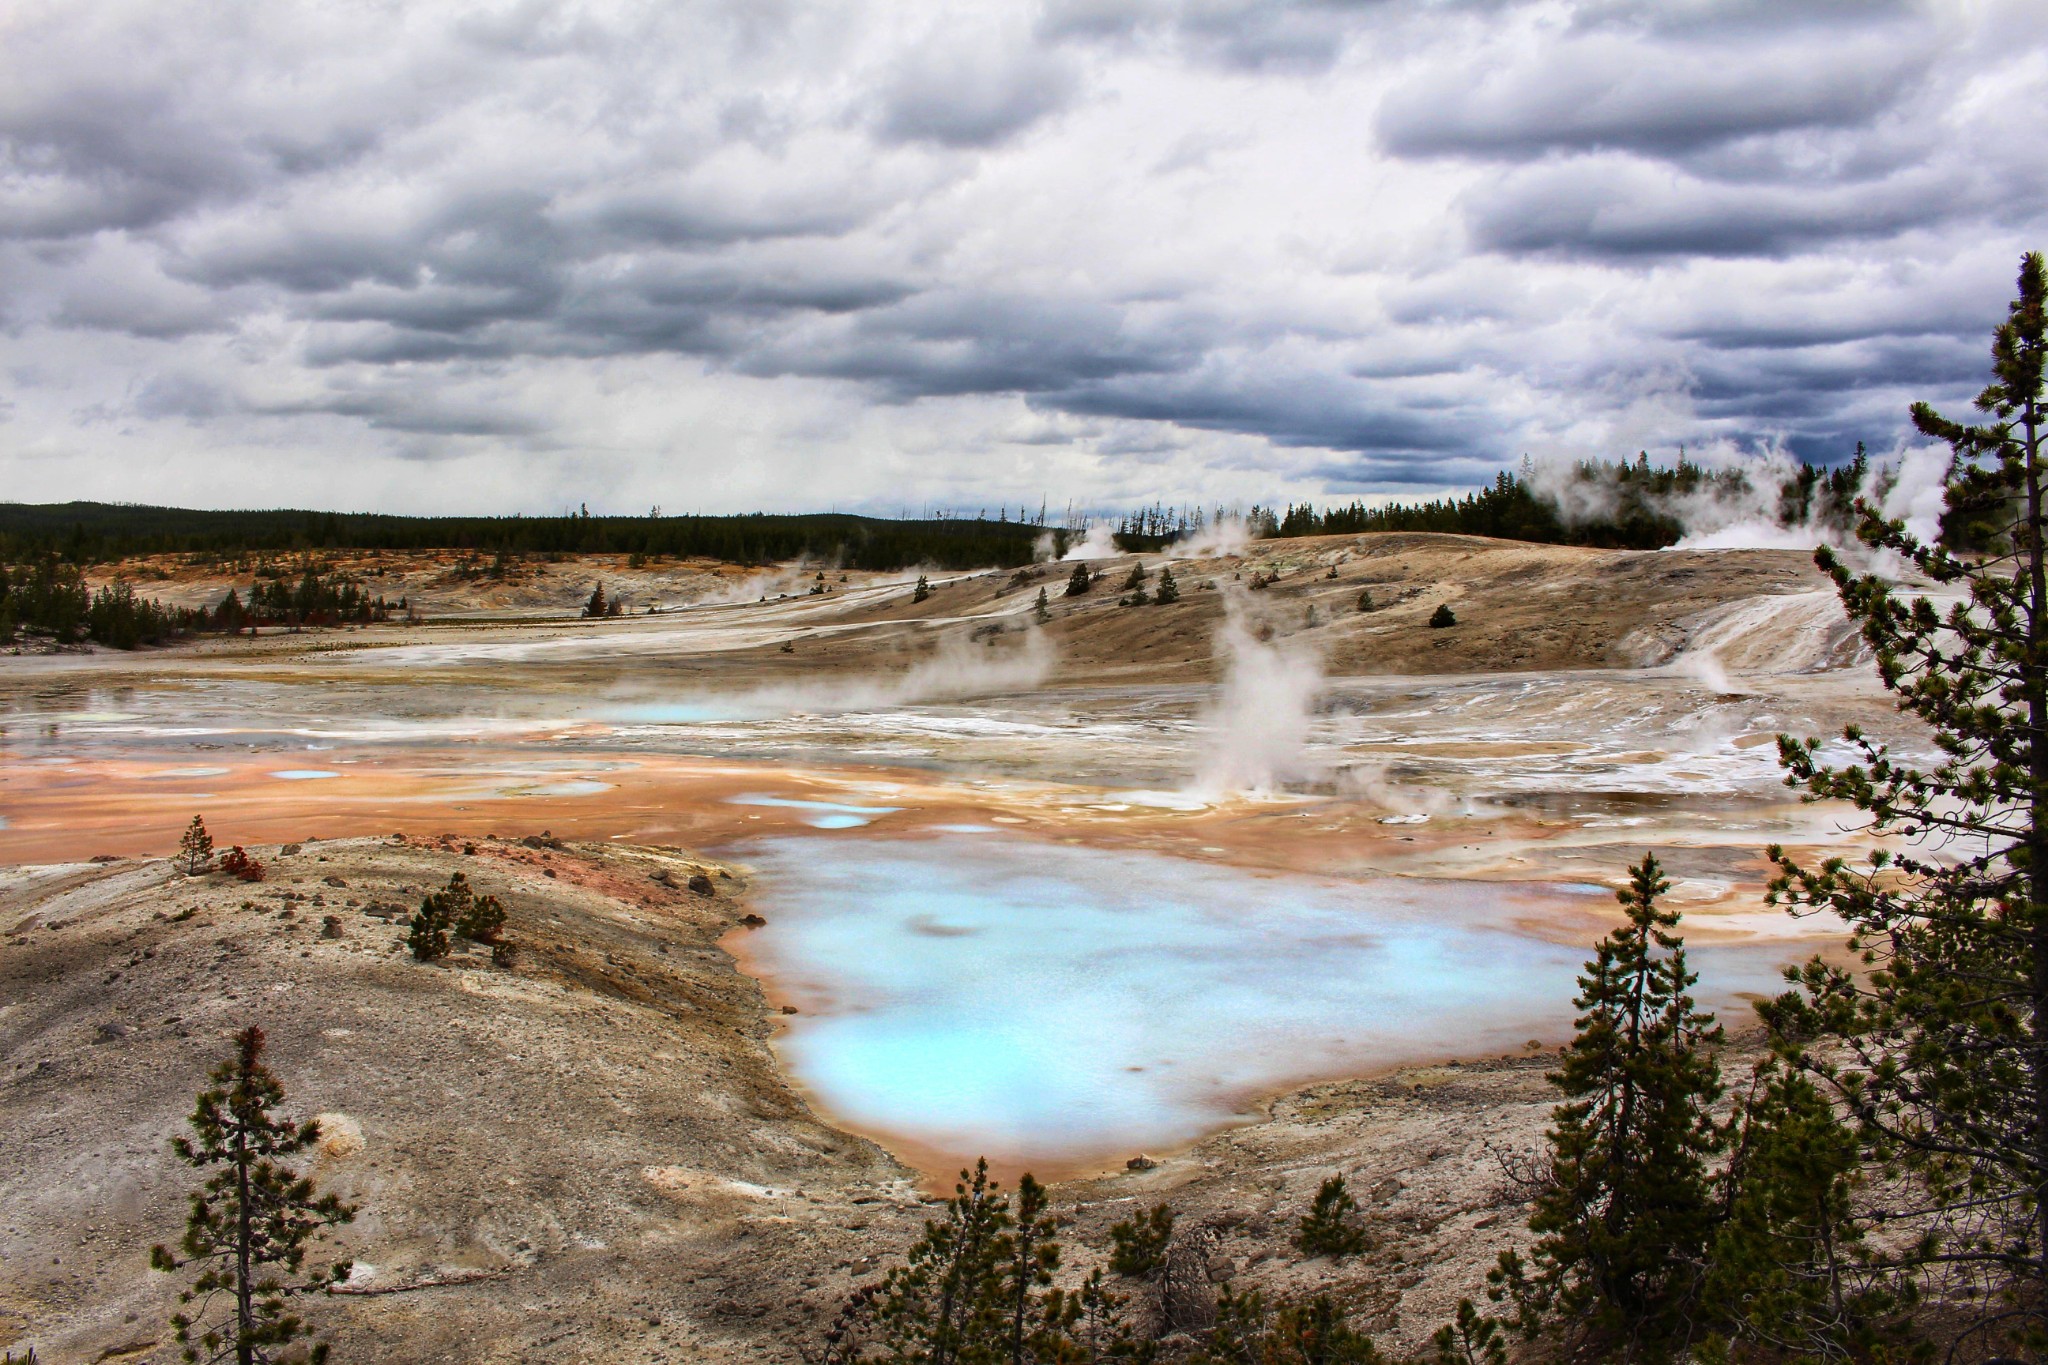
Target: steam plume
[1258,724]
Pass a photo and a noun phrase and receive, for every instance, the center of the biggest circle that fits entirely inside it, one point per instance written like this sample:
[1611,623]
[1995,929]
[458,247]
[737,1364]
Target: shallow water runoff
[1070,1006]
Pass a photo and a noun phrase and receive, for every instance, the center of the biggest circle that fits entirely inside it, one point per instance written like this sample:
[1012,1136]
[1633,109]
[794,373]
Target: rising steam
[1099,543]
[1221,538]
[1745,515]
[1258,725]
[958,669]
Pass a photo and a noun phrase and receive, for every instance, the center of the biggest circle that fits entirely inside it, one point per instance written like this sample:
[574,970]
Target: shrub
[483,921]
[237,863]
[1441,617]
[1365,602]
[1329,1229]
[1139,1244]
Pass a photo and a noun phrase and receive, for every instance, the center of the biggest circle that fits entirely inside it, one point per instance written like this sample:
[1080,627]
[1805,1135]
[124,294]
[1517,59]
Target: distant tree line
[1629,504]
[96,533]
[50,599]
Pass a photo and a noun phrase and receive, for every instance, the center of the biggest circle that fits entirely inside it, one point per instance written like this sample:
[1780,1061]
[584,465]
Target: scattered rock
[113,1032]
[1221,1268]
[340,1135]
[701,884]
[789,1009]
[752,921]
[1140,1162]
[288,850]
[333,880]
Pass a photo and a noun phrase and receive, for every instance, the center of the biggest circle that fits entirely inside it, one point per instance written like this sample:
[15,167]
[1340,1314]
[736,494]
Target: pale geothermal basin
[1060,1008]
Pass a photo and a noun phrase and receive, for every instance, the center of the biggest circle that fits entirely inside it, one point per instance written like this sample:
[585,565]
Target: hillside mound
[590,1148]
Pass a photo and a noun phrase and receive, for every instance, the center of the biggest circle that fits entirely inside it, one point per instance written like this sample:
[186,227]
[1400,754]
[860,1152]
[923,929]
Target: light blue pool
[820,814]
[1042,1002]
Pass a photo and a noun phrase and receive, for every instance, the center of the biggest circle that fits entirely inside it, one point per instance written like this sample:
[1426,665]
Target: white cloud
[744,254]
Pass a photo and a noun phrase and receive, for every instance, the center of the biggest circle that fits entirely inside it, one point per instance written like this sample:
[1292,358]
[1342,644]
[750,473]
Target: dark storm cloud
[946,344]
[412,412]
[1324,411]
[1661,98]
[1623,207]
[1297,37]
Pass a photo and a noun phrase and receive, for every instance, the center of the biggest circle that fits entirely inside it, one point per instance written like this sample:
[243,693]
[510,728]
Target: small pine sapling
[1330,1227]
[1624,1219]
[427,935]
[1138,1245]
[922,590]
[1248,1332]
[484,922]
[1365,602]
[1078,581]
[1474,1339]
[944,1303]
[250,1222]
[1443,616]
[1169,591]
[1026,1257]
[195,849]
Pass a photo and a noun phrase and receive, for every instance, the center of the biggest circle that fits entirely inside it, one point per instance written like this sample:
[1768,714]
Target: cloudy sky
[721,255]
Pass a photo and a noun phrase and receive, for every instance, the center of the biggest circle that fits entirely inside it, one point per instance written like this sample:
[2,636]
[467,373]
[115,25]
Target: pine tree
[1026,1257]
[1622,1222]
[923,589]
[480,919]
[1365,602]
[1088,1326]
[1041,610]
[1443,616]
[1788,1269]
[1139,1244]
[250,1222]
[1137,577]
[1330,1228]
[1939,1047]
[1248,1332]
[195,849]
[1169,591]
[944,1305]
[1078,581]
[596,607]
[427,934]
[1474,1339]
